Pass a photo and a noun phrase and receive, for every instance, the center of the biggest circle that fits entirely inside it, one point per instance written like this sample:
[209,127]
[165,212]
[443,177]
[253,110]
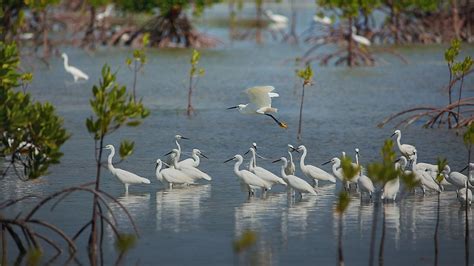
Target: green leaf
[342,202]
[245,241]
[125,242]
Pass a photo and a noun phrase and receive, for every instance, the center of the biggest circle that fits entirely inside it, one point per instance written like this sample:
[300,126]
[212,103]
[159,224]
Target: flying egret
[325,20]
[295,182]
[125,177]
[247,178]
[260,103]
[392,187]
[194,161]
[457,179]
[406,149]
[360,39]
[311,171]
[74,71]
[263,173]
[290,169]
[276,18]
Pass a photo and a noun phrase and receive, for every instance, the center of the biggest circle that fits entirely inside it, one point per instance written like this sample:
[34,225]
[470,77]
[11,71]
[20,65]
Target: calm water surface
[197,225]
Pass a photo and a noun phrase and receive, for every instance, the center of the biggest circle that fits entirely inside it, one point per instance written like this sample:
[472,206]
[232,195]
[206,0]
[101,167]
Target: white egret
[457,179]
[177,137]
[359,38]
[172,175]
[159,176]
[337,171]
[276,18]
[311,171]
[298,184]
[392,187]
[406,149]
[247,178]
[107,12]
[364,183]
[263,173]
[290,169]
[424,176]
[125,177]
[355,166]
[463,193]
[260,103]
[325,20]
[194,161]
[74,71]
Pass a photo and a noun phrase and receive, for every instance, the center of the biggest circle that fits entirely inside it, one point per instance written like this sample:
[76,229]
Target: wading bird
[276,18]
[74,71]
[263,173]
[310,171]
[325,20]
[125,177]
[296,183]
[391,188]
[247,178]
[260,103]
[406,149]
[290,169]
[360,39]
[194,160]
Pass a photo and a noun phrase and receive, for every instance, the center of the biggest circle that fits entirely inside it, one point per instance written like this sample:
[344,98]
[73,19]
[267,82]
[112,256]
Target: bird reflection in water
[180,208]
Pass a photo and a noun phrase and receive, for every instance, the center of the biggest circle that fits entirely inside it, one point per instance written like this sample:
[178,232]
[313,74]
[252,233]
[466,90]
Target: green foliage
[343,202]
[195,71]
[113,107]
[453,51]
[165,6]
[442,163]
[31,132]
[468,136]
[125,242]
[245,241]
[306,74]
[126,148]
[349,170]
[384,171]
[350,8]
[33,256]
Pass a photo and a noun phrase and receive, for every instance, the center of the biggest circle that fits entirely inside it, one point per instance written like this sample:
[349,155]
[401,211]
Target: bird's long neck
[176,159]
[357,159]
[196,159]
[291,157]
[335,166]
[177,144]
[283,174]
[302,164]
[158,168]
[66,62]
[399,137]
[237,165]
[254,158]
[109,160]
[413,164]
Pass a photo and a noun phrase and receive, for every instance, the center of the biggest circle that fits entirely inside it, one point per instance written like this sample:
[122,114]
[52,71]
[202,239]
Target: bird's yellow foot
[283,125]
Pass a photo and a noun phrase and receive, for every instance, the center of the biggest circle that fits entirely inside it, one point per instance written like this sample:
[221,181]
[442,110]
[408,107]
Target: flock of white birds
[256,178]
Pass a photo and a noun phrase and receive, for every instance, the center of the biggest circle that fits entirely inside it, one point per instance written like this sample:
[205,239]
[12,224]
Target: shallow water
[197,225]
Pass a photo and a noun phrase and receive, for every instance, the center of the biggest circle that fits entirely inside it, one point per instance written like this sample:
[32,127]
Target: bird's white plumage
[276,18]
[325,20]
[247,178]
[290,169]
[127,178]
[74,71]
[194,161]
[263,173]
[365,184]
[406,149]
[313,172]
[457,179]
[260,96]
[462,196]
[295,182]
[392,187]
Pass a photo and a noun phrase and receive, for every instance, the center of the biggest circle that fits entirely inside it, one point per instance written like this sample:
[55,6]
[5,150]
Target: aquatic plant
[113,108]
[441,163]
[381,173]
[31,133]
[349,171]
[307,76]
[468,139]
[194,73]
[139,60]
[439,116]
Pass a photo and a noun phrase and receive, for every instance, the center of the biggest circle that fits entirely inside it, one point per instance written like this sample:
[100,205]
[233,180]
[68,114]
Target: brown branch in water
[49,241]
[58,231]
[10,202]
[81,230]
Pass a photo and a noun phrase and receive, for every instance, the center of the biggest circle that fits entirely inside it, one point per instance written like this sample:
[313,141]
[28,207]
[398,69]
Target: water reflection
[392,221]
[180,209]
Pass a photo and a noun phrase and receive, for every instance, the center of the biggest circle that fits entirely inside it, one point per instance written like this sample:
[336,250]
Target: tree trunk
[350,52]
[93,236]
[455,18]
[301,114]
[466,237]
[89,38]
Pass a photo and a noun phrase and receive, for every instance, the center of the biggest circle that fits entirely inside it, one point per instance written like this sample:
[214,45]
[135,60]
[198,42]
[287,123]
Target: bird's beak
[276,161]
[233,107]
[392,135]
[326,162]
[397,160]
[464,168]
[246,152]
[226,161]
[184,138]
[168,153]
[204,156]
[156,166]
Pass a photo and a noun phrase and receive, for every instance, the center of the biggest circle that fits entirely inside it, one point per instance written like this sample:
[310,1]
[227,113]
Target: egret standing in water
[260,103]
[276,18]
[74,71]
[263,173]
[360,39]
[295,182]
[406,149]
[247,178]
[290,169]
[311,171]
[391,188]
[125,177]
[194,161]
